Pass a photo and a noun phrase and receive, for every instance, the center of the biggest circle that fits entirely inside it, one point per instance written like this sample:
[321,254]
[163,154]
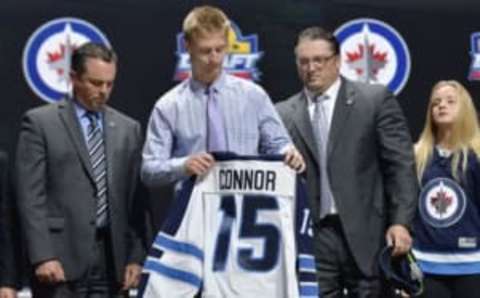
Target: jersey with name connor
[243,230]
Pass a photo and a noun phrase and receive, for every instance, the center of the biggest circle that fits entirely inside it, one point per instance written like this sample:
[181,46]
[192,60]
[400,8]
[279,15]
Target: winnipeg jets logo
[58,61]
[366,61]
[442,202]
[373,52]
[46,57]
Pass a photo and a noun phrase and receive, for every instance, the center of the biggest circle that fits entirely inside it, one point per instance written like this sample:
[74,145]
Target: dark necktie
[96,151]
[320,128]
[215,125]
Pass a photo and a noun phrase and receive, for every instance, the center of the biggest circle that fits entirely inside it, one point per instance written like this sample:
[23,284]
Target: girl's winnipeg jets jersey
[447,225]
[243,230]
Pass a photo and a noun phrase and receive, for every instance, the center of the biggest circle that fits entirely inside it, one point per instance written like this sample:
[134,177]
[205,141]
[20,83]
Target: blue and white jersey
[243,230]
[447,225]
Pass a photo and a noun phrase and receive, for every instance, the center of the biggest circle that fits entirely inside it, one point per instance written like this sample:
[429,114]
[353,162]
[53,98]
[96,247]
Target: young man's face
[207,53]
[92,88]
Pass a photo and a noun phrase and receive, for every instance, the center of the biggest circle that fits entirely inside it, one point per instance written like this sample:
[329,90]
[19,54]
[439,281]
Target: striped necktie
[320,128]
[96,151]
[216,130]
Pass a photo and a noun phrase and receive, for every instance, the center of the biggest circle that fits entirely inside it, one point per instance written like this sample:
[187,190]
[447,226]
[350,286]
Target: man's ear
[338,61]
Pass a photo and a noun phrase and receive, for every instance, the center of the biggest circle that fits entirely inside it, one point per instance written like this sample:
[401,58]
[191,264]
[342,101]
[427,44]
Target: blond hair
[465,135]
[204,19]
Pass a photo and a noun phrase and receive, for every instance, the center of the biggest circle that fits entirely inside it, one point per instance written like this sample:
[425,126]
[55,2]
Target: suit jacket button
[92,222]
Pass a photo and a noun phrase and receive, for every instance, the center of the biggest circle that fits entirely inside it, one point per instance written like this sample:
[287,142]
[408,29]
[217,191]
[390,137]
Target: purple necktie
[216,129]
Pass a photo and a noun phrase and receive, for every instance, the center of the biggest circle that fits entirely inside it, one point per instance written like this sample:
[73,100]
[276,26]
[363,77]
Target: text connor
[231,179]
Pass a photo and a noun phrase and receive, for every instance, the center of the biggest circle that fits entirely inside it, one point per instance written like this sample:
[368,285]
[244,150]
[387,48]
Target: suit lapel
[110,133]
[69,118]
[343,107]
[302,121]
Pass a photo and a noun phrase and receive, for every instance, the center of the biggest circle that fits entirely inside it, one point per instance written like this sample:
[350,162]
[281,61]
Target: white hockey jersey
[243,230]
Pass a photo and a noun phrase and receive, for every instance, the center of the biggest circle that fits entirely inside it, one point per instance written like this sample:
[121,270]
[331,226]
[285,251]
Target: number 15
[249,228]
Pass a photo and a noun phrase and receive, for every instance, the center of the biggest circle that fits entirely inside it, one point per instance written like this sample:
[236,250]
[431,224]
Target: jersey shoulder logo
[46,56]
[442,202]
[241,59]
[373,52]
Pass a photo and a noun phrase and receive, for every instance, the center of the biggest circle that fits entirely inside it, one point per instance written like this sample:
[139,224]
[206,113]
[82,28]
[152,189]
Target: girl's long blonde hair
[465,135]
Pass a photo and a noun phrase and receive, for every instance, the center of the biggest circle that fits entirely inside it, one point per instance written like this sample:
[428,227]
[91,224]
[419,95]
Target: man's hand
[294,159]
[132,276]
[50,272]
[6,292]
[398,237]
[199,164]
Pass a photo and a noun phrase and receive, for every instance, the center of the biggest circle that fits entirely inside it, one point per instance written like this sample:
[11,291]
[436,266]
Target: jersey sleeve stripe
[173,273]
[306,262]
[307,276]
[155,252]
[177,246]
[309,291]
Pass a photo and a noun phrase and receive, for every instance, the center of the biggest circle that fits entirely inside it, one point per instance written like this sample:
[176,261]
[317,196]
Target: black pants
[451,286]
[98,281]
[338,274]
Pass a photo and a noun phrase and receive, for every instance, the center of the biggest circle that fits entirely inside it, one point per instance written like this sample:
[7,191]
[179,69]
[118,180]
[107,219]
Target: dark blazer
[10,250]
[370,164]
[56,188]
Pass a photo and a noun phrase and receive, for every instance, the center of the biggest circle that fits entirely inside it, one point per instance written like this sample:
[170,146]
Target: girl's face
[445,106]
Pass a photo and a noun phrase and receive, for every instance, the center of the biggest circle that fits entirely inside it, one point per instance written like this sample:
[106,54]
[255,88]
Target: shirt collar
[217,85]
[331,92]
[81,111]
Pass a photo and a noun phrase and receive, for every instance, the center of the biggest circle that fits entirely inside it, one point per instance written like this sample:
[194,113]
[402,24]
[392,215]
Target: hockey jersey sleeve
[174,264]
[306,270]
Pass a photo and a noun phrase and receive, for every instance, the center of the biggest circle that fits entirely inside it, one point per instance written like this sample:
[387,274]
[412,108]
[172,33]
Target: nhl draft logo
[241,59]
[373,52]
[474,74]
[442,202]
[46,57]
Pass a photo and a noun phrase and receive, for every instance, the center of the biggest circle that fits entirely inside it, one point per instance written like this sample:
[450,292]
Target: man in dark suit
[9,237]
[76,171]
[360,167]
